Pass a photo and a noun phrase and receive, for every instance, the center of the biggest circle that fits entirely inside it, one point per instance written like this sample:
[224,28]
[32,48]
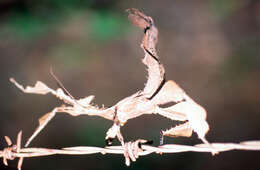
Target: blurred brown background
[210,48]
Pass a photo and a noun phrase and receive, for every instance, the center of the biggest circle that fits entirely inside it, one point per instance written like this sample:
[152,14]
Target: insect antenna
[59,83]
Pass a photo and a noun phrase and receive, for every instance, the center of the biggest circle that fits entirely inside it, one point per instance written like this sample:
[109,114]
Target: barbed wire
[130,150]
[146,149]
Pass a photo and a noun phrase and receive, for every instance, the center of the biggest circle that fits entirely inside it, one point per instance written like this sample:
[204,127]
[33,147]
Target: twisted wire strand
[146,149]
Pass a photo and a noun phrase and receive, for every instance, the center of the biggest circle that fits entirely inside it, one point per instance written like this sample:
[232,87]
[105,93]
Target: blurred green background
[209,47]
